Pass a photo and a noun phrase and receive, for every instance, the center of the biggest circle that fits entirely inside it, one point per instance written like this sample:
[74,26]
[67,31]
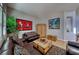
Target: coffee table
[42,46]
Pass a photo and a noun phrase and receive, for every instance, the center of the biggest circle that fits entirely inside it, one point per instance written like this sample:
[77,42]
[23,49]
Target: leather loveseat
[73,48]
[30,36]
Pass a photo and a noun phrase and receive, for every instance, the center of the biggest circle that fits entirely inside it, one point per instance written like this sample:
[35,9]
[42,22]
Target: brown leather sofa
[30,36]
[9,45]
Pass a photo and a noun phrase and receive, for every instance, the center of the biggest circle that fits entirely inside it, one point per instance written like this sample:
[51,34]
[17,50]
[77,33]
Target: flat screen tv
[24,24]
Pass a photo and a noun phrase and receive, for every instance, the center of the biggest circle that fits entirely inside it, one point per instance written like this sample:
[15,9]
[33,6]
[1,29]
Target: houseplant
[11,26]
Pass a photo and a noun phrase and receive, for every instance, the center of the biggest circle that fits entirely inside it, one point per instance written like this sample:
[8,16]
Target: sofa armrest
[74,44]
[73,50]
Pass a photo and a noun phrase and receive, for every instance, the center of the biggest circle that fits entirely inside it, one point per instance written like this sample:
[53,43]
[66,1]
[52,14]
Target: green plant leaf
[11,24]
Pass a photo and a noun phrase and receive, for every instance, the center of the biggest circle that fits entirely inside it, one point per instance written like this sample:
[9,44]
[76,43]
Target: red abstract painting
[24,24]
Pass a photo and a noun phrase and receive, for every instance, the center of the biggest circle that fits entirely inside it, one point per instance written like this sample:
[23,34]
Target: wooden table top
[43,44]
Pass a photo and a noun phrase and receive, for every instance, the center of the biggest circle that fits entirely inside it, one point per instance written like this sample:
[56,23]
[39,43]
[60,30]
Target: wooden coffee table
[42,46]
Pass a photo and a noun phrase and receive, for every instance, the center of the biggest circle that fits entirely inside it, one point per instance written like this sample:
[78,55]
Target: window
[0,23]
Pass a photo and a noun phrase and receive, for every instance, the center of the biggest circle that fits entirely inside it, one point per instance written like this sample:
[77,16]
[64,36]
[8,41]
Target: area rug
[28,49]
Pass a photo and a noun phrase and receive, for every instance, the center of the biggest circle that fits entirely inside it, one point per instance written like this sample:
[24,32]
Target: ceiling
[43,9]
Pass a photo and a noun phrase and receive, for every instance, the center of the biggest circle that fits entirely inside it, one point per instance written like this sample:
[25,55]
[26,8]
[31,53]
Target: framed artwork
[54,23]
[24,24]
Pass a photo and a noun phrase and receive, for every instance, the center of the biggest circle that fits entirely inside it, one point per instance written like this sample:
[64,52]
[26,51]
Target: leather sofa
[30,36]
[73,48]
[8,47]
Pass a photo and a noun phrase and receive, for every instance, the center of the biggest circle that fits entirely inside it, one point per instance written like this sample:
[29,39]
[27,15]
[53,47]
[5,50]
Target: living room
[57,24]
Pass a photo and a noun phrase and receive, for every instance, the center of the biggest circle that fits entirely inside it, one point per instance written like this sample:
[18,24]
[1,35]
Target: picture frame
[23,24]
[54,23]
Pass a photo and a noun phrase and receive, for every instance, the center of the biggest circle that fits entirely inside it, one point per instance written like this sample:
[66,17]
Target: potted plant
[11,26]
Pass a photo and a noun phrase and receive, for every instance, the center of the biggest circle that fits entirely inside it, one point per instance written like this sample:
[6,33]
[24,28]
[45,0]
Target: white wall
[58,32]
[24,16]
